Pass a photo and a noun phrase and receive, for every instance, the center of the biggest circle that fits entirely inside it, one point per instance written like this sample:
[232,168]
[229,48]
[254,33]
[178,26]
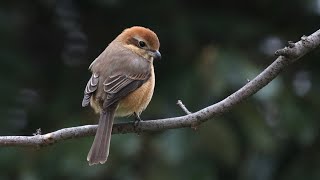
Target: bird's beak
[156,55]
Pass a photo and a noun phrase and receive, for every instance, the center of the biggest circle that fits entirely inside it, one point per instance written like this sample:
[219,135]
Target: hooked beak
[156,55]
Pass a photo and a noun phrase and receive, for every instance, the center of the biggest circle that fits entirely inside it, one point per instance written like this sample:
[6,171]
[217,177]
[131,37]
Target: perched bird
[121,84]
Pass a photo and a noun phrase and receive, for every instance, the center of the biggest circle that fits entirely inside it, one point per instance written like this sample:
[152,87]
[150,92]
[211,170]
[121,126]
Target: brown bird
[121,84]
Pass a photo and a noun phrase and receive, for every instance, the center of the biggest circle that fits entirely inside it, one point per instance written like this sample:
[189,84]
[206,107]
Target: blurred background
[209,50]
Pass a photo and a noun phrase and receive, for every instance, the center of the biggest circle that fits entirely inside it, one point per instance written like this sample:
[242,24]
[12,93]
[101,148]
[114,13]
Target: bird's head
[142,41]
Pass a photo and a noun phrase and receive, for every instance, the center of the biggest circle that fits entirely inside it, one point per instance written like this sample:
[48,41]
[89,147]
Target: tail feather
[100,148]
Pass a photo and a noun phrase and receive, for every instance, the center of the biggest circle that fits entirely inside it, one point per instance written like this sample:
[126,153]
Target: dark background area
[209,50]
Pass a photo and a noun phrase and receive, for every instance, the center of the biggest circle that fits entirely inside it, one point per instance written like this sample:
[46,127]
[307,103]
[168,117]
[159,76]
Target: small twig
[183,107]
[38,132]
[195,125]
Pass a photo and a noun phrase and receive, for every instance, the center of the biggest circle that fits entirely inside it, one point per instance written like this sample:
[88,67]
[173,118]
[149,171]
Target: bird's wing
[118,86]
[120,72]
[92,86]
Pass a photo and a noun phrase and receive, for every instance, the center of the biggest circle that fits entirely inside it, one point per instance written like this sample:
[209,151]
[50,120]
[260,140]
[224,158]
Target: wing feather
[118,86]
[91,87]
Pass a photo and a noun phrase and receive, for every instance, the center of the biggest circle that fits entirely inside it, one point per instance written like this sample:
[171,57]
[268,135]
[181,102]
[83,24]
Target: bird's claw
[137,121]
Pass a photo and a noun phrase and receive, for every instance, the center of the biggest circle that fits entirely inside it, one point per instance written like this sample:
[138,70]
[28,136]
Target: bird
[122,84]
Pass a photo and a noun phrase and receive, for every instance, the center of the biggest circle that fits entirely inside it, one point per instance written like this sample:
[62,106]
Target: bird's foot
[137,121]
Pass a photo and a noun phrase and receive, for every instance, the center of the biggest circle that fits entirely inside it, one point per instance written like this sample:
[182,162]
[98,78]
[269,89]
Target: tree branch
[286,56]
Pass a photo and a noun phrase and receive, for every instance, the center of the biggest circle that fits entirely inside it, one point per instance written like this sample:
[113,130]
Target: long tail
[100,147]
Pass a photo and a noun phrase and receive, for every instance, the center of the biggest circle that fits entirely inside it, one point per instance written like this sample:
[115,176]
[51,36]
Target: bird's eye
[142,44]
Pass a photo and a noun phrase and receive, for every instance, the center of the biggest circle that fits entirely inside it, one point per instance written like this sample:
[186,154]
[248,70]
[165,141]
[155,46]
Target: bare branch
[286,55]
[183,107]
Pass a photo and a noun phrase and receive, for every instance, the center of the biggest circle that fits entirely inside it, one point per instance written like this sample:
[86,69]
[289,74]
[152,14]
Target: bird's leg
[137,119]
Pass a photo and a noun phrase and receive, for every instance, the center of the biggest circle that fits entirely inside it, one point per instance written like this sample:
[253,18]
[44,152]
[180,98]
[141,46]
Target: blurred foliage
[210,49]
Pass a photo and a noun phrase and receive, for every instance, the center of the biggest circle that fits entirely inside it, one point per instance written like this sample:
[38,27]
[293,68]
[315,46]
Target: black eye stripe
[136,42]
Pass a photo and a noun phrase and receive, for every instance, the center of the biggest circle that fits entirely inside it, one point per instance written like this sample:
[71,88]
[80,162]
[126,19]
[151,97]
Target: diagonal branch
[286,56]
